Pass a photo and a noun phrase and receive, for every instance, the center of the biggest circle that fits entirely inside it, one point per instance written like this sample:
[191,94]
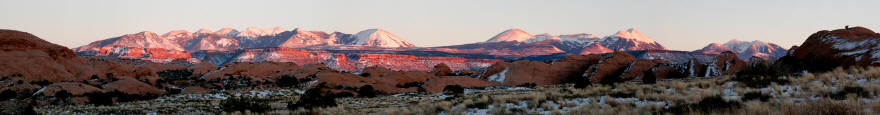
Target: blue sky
[676,24]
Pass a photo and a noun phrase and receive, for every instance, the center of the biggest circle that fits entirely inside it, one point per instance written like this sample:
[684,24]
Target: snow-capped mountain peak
[511,35]
[634,34]
[204,31]
[379,37]
[227,31]
[746,49]
[256,32]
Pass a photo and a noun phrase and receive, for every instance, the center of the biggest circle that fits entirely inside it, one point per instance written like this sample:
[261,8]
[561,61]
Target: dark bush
[8,94]
[707,104]
[622,95]
[529,85]
[243,103]
[760,74]
[63,94]
[18,107]
[755,95]
[582,83]
[287,81]
[453,90]
[175,75]
[313,98]
[410,84]
[649,78]
[367,91]
[858,91]
[41,83]
[365,74]
[100,98]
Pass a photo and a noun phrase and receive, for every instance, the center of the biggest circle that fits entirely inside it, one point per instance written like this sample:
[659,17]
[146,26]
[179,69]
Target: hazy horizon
[677,25]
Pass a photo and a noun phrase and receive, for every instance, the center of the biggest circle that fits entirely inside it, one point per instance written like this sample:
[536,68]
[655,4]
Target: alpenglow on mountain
[227,39]
[378,47]
[746,49]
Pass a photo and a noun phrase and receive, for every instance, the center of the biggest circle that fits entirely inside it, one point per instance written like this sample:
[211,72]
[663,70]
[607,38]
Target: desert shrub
[582,83]
[858,91]
[63,94]
[529,85]
[8,94]
[453,90]
[178,74]
[755,95]
[41,83]
[18,107]
[649,78]
[106,98]
[313,98]
[410,84]
[707,104]
[367,91]
[100,98]
[760,74]
[622,95]
[243,103]
[235,82]
[287,81]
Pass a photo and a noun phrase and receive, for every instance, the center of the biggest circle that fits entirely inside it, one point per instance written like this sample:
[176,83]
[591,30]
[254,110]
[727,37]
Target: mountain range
[379,47]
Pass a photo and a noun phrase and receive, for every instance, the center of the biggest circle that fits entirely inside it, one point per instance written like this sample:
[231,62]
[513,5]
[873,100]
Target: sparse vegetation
[313,98]
[761,74]
[755,96]
[245,103]
[367,91]
[840,91]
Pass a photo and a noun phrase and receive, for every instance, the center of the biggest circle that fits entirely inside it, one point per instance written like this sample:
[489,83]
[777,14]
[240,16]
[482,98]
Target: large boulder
[823,50]
[523,72]
[132,87]
[609,69]
[72,88]
[570,69]
[527,72]
[727,63]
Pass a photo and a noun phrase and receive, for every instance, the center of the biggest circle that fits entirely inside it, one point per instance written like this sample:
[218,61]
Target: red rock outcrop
[727,63]
[132,86]
[34,58]
[856,46]
[612,66]
[73,88]
[256,71]
[524,72]
[437,84]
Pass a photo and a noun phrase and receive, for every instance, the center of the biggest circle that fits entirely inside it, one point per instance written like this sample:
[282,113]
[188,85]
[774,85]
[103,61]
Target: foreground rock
[823,50]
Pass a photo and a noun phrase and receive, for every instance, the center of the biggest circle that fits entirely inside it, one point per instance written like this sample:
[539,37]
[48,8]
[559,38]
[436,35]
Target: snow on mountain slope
[511,35]
[256,32]
[595,48]
[746,49]
[379,37]
[144,39]
[227,31]
[630,40]
[212,42]
[302,38]
[179,36]
[204,31]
